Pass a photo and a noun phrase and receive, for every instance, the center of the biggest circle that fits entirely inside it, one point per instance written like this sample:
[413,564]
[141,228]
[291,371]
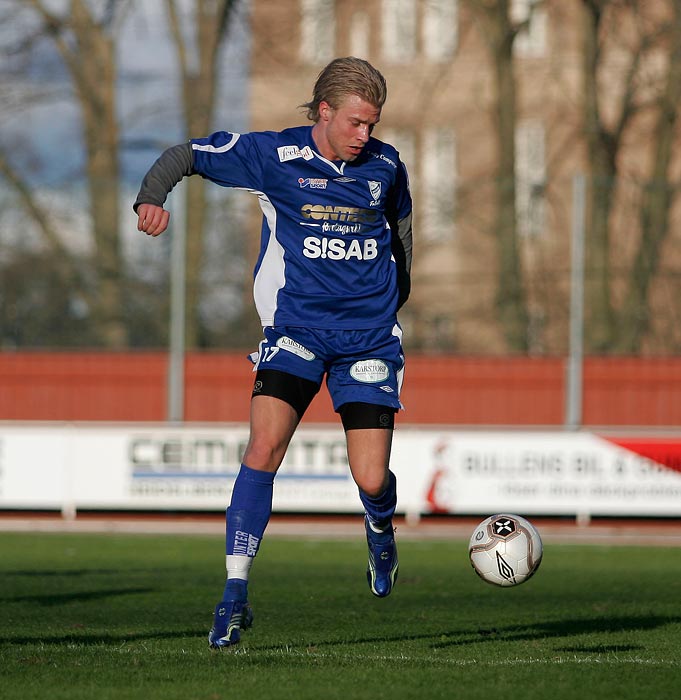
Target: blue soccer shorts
[360,366]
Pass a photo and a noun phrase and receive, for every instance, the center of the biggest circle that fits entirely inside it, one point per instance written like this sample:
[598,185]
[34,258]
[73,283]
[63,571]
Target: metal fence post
[574,378]
[176,349]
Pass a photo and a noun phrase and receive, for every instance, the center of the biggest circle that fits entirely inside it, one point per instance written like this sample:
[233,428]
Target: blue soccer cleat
[231,616]
[382,568]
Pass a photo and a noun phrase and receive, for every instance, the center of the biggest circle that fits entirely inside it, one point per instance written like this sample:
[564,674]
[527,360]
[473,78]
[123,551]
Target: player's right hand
[152,219]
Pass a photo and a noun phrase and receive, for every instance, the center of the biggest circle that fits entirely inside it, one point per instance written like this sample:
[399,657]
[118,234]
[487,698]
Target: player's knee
[264,454]
[373,485]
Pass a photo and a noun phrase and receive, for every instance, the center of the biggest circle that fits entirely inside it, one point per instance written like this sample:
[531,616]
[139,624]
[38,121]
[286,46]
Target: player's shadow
[555,629]
[514,633]
[439,640]
[78,638]
[59,573]
[53,599]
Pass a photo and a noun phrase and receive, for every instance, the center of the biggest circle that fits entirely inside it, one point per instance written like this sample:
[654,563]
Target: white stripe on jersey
[271,276]
[221,149]
[397,332]
[338,169]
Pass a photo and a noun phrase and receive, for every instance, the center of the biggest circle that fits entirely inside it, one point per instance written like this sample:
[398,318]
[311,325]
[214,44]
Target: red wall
[81,386]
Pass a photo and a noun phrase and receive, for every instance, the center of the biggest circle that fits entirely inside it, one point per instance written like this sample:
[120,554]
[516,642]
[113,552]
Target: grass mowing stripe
[397,658]
[127,616]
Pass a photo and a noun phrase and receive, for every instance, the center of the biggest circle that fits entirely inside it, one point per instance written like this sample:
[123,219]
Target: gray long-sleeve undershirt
[173,164]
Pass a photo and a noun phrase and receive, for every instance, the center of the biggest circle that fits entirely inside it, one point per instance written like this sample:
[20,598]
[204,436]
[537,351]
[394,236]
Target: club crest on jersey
[287,153]
[375,191]
[314,183]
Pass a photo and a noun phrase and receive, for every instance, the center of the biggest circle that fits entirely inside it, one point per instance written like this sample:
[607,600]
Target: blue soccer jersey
[326,255]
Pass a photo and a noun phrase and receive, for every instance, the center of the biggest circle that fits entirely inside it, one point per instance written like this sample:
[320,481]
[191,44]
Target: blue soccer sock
[247,517]
[380,509]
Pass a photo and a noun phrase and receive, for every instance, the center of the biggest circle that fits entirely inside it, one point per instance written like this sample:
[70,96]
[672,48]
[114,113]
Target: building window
[399,30]
[438,184]
[531,40]
[440,29]
[359,35]
[530,176]
[403,140]
[318,30]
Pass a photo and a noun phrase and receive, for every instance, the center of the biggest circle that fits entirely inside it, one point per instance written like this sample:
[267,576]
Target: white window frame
[531,41]
[530,177]
[440,29]
[438,184]
[359,34]
[404,140]
[317,30]
[398,31]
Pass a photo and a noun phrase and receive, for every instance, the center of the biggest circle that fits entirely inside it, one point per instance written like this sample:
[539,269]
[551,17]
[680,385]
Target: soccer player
[332,272]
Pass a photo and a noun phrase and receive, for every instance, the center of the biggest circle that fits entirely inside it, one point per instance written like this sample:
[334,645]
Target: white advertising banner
[155,467]
[576,473]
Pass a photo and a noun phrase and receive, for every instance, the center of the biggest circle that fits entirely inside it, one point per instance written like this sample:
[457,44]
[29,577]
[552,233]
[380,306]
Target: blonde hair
[343,77]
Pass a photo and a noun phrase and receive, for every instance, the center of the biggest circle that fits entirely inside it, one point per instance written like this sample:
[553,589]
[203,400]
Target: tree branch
[67,267]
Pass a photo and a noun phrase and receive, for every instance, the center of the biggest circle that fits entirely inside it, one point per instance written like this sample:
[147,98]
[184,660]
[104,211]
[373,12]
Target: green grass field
[127,616]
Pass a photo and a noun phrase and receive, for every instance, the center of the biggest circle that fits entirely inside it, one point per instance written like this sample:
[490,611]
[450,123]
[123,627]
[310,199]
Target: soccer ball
[505,550]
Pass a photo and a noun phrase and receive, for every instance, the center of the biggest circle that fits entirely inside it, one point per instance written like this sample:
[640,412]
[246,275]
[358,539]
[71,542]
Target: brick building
[443,115]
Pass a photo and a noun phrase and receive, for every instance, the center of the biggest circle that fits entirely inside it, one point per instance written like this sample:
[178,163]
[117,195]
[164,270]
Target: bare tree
[85,37]
[85,43]
[499,32]
[199,78]
[658,195]
[67,267]
[643,31]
